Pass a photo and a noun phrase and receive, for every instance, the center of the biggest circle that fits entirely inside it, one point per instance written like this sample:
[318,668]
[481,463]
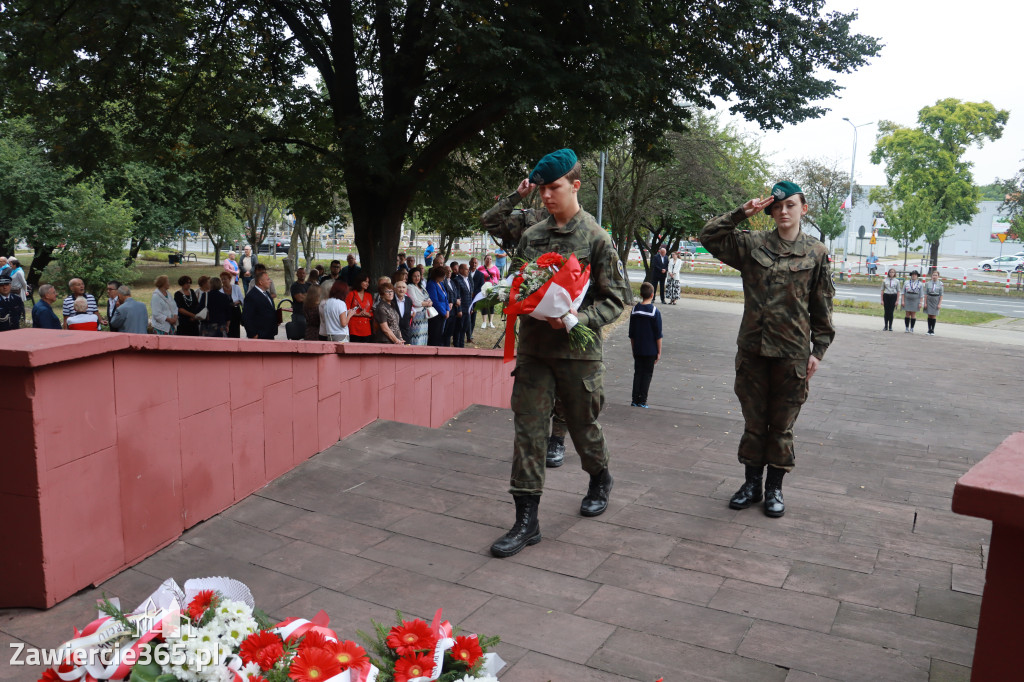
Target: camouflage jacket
[606,297]
[787,288]
[507,223]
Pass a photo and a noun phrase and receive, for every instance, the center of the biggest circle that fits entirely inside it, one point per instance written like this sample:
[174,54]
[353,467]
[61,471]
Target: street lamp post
[853,162]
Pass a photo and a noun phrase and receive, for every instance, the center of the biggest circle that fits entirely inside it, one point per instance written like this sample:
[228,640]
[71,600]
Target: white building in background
[976,239]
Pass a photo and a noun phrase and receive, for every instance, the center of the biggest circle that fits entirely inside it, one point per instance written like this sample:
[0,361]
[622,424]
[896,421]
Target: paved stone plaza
[868,576]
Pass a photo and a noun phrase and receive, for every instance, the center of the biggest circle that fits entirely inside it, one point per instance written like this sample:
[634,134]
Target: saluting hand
[525,187]
[755,206]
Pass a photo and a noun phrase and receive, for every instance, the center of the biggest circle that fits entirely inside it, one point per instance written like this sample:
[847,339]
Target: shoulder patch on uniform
[622,273]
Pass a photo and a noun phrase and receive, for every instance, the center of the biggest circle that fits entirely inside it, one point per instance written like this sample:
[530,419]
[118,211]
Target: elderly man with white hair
[76,287]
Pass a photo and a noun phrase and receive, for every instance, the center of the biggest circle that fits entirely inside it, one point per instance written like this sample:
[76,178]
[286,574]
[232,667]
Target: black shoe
[556,452]
[773,503]
[596,499]
[525,531]
[750,491]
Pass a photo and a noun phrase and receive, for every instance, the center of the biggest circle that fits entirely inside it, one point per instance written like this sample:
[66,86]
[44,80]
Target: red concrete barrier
[116,443]
[994,489]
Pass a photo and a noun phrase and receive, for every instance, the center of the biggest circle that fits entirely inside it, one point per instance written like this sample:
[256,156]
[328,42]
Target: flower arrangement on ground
[416,650]
[212,631]
[549,286]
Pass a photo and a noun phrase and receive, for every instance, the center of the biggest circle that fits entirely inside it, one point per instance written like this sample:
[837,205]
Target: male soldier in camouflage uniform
[786,328]
[545,365]
[506,221]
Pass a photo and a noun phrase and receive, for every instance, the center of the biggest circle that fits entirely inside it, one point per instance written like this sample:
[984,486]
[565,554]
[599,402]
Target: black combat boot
[750,491]
[596,499]
[556,452]
[773,504]
[525,531]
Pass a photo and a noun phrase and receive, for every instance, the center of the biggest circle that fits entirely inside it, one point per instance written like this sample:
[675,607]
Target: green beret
[553,166]
[783,190]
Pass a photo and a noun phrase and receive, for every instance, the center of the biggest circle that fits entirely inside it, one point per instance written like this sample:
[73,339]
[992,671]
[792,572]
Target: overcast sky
[971,51]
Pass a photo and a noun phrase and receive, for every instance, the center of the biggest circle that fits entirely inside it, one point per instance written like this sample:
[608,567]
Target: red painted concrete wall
[116,443]
[994,489]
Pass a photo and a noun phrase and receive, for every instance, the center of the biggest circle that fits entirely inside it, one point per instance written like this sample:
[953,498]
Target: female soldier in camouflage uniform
[786,328]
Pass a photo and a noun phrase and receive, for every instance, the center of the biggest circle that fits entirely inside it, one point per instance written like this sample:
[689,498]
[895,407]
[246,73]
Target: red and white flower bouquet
[211,630]
[550,286]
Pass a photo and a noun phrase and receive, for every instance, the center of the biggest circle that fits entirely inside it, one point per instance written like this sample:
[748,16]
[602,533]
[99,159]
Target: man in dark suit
[258,315]
[403,304]
[659,271]
[464,293]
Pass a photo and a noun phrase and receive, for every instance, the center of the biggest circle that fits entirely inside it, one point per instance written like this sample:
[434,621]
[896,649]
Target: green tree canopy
[404,84]
[95,229]
[927,162]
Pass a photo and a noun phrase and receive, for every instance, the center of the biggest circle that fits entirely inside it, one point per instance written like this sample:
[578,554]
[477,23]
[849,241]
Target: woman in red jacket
[360,305]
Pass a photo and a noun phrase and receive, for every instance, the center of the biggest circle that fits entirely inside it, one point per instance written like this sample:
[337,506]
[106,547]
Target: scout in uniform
[786,329]
[546,366]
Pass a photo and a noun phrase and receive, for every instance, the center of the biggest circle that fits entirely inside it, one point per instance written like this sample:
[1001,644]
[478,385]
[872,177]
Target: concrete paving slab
[868,576]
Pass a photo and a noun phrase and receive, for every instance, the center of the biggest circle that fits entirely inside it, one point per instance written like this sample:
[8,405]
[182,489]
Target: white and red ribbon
[556,297]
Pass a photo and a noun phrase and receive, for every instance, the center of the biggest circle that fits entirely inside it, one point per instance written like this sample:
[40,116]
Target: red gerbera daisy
[411,636]
[202,601]
[262,648]
[313,665]
[314,640]
[467,650]
[416,665]
[349,654]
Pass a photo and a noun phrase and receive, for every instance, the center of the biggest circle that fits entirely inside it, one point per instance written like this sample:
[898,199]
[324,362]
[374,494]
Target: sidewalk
[868,576]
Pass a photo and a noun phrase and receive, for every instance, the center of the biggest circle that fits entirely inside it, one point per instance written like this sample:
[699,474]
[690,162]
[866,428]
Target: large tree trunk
[378,230]
[40,259]
[8,239]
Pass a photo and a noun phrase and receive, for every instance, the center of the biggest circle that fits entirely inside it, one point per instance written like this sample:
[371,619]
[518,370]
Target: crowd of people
[414,305]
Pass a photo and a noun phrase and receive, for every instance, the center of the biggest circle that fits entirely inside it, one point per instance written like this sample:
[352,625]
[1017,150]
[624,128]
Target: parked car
[280,246]
[1004,263]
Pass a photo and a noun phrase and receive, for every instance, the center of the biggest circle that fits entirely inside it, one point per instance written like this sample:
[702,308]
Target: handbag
[203,314]
[431,312]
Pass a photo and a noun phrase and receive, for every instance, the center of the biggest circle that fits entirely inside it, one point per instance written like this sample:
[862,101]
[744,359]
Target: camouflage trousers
[558,426]
[771,392]
[579,386]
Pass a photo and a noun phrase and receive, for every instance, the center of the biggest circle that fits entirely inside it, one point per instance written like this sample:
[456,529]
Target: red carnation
[467,650]
[549,259]
[410,637]
[350,655]
[416,665]
[49,675]
[313,665]
[262,648]
[200,603]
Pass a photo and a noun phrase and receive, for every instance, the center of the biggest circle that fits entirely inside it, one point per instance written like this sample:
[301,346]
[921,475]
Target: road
[1008,307]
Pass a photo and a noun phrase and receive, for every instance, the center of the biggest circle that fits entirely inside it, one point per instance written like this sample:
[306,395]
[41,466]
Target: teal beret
[553,166]
[783,190]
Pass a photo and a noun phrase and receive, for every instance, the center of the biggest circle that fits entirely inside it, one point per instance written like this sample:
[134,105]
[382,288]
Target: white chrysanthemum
[250,670]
